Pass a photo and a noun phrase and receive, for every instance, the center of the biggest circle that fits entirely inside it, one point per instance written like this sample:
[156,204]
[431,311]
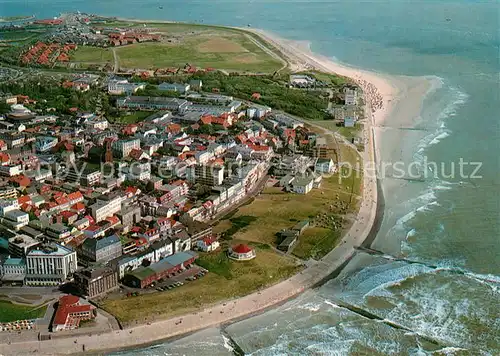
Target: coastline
[379,93]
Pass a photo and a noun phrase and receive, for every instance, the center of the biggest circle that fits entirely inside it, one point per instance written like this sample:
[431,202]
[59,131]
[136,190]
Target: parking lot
[182,277]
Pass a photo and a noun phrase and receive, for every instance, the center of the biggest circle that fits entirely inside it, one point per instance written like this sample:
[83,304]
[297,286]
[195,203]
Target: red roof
[24,199]
[113,220]
[67,305]
[75,196]
[78,207]
[242,249]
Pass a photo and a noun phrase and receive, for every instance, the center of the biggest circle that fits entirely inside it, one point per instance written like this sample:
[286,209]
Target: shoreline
[378,93]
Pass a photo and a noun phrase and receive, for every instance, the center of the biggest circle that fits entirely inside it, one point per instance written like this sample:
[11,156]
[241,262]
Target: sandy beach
[379,94]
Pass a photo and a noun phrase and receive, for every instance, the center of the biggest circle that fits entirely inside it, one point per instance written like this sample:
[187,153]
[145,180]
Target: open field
[275,210]
[12,312]
[199,45]
[316,242]
[226,280]
[133,118]
[92,55]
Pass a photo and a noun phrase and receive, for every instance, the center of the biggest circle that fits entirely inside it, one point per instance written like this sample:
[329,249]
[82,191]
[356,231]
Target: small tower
[108,156]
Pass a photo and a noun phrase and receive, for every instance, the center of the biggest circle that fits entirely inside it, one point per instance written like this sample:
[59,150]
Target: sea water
[449,302]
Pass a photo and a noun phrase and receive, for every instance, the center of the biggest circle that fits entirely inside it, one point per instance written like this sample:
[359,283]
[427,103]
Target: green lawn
[137,116]
[232,53]
[316,242]
[20,35]
[12,312]
[88,54]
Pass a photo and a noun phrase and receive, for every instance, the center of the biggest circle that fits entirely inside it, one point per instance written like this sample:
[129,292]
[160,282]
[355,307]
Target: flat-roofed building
[20,245]
[50,264]
[96,282]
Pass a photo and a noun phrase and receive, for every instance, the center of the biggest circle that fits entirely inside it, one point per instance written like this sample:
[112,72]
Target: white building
[105,208]
[139,171]
[45,143]
[13,269]
[257,112]
[7,205]
[324,165]
[122,86]
[351,96]
[176,87]
[302,185]
[97,123]
[206,175]
[207,244]
[16,219]
[49,265]
[203,157]
[10,171]
[123,147]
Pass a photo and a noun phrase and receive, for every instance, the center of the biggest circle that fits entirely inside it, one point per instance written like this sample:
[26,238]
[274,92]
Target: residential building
[106,206]
[100,250]
[351,96]
[180,88]
[49,264]
[85,176]
[45,143]
[206,175]
[208,244]
[122,148]
[324,166]
[8,192]
[96,282]
[122,86]
[129,215]
[58,231]
[16,219]
[302,185]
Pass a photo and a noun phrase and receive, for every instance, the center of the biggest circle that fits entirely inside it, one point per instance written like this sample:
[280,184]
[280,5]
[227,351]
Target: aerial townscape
[154,170]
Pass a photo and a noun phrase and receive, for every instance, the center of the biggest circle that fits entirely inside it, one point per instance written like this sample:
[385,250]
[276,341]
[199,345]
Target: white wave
[313,307]
[440,137]
[442,131]
[450,350]
[227,344]
[331,304]
[411,233]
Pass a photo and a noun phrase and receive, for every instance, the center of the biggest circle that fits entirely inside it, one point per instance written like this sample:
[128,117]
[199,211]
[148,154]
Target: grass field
[12,312]
[227,279]
[92,55]
[316,242]
[200,45]
[133,118]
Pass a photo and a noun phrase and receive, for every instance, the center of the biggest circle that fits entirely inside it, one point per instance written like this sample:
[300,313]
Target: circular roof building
[241,253]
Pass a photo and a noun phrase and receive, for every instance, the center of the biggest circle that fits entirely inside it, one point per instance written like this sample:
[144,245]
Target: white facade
[302,185]
[124,147]
[105,208]
[10,171]
[50,265]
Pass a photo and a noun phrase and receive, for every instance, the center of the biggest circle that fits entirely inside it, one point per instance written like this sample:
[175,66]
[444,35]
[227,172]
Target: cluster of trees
[307,104]
[50,94]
